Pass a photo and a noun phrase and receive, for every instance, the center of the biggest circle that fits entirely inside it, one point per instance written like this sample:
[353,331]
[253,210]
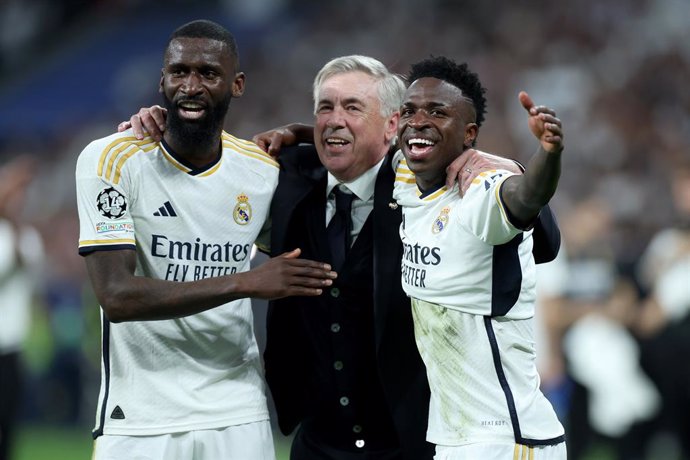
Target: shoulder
[248,150]
[301,159]
[107,156]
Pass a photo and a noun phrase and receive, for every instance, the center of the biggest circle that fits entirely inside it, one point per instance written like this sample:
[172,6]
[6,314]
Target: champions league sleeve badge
[243,211]
[441,221]
[111,203]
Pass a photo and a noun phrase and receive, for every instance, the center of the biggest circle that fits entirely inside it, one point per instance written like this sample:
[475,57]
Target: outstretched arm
[126,297]
[525,195]
[272,140]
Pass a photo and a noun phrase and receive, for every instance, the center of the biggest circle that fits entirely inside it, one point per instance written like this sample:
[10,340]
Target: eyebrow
[349,100]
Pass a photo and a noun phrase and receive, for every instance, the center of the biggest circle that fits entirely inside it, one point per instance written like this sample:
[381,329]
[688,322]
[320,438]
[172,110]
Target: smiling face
[198,79]
[436,126]
[351,135]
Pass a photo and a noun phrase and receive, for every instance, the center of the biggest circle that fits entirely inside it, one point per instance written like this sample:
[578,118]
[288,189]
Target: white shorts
[501,452]
[240,442]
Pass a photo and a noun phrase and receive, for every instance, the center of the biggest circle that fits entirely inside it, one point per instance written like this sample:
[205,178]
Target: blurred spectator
[591,372]
[21,255]
[665,320]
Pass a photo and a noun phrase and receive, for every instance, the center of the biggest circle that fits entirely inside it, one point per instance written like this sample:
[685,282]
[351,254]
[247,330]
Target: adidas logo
[166,210]
[117,414]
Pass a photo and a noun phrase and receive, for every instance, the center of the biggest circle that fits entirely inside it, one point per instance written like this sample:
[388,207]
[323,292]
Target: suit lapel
[293,190]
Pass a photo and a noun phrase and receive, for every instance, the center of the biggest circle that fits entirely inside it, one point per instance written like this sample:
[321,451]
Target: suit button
[335,327]
[338,365]
[357,429]
[344,401]
[335,292]
[359,443]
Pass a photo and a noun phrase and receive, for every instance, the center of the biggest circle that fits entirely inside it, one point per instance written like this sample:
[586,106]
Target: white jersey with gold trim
[471,276]
[198,372]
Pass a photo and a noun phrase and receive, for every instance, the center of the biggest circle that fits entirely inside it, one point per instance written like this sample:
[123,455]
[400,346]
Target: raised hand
[543,123]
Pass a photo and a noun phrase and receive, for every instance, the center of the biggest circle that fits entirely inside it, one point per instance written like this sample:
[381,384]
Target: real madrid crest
[243,211]
[441,221]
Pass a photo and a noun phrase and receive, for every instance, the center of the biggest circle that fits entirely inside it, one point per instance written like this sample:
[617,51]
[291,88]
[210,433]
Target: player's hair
[203,28]
[458,75]
[390,86]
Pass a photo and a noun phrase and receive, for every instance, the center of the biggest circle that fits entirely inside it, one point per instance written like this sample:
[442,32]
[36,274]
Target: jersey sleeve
[105,221]
[483,212]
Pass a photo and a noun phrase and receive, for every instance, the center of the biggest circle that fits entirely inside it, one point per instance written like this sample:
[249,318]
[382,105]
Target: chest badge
[441,221]
[243,210]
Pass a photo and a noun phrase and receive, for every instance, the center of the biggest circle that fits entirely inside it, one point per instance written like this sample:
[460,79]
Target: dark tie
[340,227]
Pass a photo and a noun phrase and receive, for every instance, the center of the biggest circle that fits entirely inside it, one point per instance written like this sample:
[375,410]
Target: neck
[430,184]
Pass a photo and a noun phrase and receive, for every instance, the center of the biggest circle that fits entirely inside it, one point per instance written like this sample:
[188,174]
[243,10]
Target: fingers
[309,278]
[306,267]
[452,174]
[137,128]
[152,119]
[276,143]
[292,254]
[467,177]
[124,126]
[260,141]
[526,101]
[158,114]
[528,104]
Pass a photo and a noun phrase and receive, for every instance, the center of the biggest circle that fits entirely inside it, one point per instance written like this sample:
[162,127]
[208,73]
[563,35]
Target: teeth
[191,105]
[336,141]
[420,141]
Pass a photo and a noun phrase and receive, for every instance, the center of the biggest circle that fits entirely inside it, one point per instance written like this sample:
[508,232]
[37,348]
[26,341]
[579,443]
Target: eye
[323,108]
[436,113]
[352,108]
[406,112]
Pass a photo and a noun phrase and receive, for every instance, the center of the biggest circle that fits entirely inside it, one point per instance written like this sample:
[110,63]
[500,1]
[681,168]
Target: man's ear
[471,130]
[238,84]
[392,127]
[160,85]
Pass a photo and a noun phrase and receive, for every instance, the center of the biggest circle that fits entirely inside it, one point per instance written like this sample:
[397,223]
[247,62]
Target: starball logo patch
[111,203]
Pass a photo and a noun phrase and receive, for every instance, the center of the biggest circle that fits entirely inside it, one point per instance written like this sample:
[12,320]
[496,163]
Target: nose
[336,119]
[418,120]
[191,85]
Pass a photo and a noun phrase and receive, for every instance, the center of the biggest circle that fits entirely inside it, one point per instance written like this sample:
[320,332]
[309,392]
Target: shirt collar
[363,186]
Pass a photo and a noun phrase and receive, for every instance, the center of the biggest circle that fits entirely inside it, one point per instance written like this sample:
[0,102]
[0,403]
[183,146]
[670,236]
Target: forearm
[525,195]
[140,298]
[126,297]
[303,132]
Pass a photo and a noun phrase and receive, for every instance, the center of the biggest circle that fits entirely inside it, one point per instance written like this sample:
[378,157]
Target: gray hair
[391,87]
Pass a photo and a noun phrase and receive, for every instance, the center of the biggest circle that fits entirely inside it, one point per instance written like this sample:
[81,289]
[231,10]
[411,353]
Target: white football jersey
[198,372]
[471,277]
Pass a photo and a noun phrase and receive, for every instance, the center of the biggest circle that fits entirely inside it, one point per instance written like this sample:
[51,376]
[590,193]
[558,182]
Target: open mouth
[336,143]
[418,147]
[191,110]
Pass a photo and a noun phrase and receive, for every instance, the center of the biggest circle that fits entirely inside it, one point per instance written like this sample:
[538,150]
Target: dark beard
[197,134]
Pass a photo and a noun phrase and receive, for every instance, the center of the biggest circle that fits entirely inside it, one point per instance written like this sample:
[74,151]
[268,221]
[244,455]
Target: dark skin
[437,126]
[202,74]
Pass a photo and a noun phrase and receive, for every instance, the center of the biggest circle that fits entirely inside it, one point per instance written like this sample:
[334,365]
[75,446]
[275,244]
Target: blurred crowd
[616,329]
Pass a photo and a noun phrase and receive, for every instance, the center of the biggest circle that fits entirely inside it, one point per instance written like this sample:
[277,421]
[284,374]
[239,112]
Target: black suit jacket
[400,369]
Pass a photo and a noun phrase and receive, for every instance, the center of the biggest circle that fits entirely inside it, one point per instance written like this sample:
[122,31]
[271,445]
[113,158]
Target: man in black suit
[344,366]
